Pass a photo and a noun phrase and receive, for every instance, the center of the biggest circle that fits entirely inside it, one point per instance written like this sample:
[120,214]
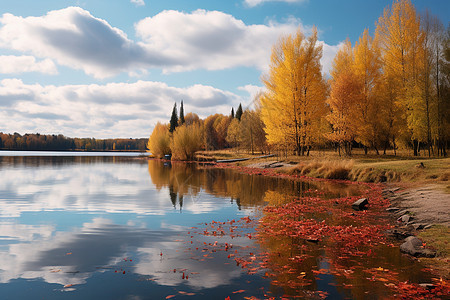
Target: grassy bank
[402,168]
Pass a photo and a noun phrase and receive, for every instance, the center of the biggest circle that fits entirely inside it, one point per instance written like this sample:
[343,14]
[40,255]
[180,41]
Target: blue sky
[102,68]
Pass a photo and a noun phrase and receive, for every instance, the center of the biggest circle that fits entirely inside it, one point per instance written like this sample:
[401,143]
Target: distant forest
[60,142]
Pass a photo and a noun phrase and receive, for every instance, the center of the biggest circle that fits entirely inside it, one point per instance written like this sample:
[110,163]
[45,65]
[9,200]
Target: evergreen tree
[182,113]
[232,113]
[173,119]
[239,112]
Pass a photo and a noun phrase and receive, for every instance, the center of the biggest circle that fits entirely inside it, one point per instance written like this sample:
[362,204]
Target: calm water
[98,227]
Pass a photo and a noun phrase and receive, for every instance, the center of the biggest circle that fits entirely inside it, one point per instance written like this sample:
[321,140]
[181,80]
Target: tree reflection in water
[311,243]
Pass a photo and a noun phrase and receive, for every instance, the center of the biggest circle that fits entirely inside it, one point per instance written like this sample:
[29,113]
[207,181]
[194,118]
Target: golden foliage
[186,141]
[159,141]
[294,103]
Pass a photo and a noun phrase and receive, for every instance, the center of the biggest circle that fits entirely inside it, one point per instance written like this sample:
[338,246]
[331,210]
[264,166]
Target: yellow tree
[159,141]
[368,115]
[345,93]
[294,104]
[187,139]
[401,42]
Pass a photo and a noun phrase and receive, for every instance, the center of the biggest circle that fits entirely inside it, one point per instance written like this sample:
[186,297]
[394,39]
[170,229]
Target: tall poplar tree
[294,103]
[182,121]
[401,42]
[368,110]
[173,119]
[344,95]
[239,112]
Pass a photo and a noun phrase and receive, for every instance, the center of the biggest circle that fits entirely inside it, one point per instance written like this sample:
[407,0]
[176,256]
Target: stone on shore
[360,204]
[414,246]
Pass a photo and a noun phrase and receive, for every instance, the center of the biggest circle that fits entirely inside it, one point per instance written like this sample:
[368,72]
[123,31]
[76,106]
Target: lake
[83,226]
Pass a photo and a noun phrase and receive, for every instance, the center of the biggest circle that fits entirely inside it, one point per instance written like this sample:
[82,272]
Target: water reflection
[136,228]
[187,180]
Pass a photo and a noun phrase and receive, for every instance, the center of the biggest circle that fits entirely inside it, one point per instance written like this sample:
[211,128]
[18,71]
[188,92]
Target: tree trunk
[415,147]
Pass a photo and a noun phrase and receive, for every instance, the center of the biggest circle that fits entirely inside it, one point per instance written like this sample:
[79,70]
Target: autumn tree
[187,139]
[294,104]
[368,114]
[159,141]
[252,134]
[234,133]
[346,92]
[401,42]
[191,118]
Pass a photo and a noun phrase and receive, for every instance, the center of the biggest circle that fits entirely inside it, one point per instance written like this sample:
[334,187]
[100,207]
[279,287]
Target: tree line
[60,142]
[184,135]
[387,91]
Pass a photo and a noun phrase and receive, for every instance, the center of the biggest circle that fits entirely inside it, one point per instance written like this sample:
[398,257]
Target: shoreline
[426,205]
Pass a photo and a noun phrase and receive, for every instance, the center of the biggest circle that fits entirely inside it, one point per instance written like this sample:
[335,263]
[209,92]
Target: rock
[402,212]
[312,240]
[405,218]
[391,209]
[427,286]
[400,235]
[414,246]
[419,226]
[420,166]
[360,204]
[428,226]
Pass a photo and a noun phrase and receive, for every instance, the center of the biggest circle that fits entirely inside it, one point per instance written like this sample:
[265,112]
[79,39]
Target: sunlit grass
[359,167]
[438,237]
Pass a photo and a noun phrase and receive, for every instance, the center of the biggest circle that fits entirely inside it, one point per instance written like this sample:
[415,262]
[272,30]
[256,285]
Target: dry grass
[365,168]
[438,237]
[337,169]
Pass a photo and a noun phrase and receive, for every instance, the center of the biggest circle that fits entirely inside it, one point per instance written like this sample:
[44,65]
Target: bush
[159,141]
[186,141]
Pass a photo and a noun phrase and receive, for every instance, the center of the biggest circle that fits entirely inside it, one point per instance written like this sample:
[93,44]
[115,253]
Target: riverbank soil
[427,212]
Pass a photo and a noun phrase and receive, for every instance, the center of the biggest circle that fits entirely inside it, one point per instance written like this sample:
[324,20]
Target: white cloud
[138,2]
[171,40]
[10,64]
[253,3]
[74,38]
[110,110]
[329,52]
[211,40]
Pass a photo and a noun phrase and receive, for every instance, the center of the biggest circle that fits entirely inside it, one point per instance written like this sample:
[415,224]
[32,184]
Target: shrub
[186,141]
[159,141]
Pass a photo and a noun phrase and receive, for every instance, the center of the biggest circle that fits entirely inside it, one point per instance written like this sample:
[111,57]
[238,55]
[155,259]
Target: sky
[113,69]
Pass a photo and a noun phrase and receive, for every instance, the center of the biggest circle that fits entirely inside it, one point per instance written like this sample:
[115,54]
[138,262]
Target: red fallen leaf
[68,286]
[170,296]
[238,292]
[123,272]
[183,276]
[227,298]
